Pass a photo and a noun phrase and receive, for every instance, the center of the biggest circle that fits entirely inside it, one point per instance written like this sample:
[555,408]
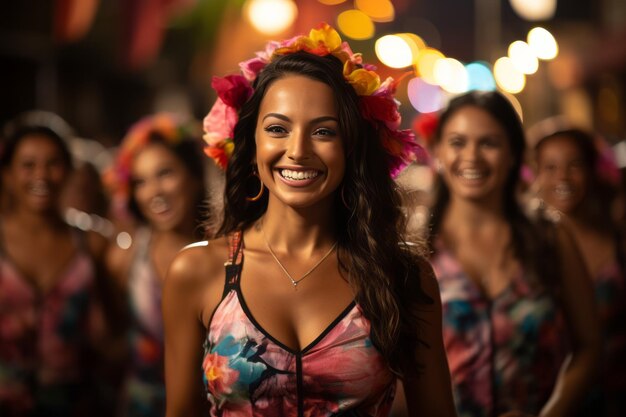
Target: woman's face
[561,174]
[299,150]
[164,189]
[474,155]
[36,174]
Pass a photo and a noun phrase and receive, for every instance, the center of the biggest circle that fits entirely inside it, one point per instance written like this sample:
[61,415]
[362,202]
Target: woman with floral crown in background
[159,174]
[308,300]
[519,321]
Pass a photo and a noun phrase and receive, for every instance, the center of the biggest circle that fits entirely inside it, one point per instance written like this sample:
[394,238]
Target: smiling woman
[507,281]
[159,173]
[316,312]
[49,281]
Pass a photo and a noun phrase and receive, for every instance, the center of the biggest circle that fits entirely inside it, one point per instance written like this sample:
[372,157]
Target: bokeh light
[451,75]
[425,66]
[507,76]
[271,17]
[543,43]
[415,43]
[424,97]
[355,24]
[378,10]
[534,9]
[393,51]
[523,57]
[480,77]
[331,2]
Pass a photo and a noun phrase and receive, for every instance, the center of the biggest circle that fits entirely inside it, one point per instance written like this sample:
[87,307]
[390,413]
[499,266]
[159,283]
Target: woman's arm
[190,289]
[577,299]
[428,390]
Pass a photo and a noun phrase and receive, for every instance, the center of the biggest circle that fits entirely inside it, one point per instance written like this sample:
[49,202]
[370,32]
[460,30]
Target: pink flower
[234,90]
[402,149]
[252,67]
[219,376]
[220,122]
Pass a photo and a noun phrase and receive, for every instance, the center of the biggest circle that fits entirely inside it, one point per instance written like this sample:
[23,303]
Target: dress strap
[234,263]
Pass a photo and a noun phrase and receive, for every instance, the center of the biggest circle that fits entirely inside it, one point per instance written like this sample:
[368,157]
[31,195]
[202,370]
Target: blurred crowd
[525,231]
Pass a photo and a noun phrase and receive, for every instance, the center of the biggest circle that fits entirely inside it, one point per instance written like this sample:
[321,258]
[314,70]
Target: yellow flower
[327,36]
[363,81]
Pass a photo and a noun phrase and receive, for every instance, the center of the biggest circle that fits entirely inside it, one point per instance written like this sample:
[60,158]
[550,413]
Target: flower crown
[377,103]
[171,128]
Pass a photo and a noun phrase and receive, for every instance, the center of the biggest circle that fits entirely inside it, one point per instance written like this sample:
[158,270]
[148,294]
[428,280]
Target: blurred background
[103,64]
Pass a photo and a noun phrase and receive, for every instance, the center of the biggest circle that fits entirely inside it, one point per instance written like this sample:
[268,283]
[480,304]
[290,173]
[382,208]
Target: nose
[299,146]
[471,152]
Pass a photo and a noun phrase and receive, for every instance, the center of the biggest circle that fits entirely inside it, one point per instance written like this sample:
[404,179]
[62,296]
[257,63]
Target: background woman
[321,300]
[506,282]
[50,321]
[571,180]
[160,175]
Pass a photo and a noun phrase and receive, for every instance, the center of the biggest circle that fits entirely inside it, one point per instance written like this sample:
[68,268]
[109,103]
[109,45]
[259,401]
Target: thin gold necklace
[295,282]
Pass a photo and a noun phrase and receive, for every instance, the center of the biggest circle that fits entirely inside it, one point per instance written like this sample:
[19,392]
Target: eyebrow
[287,119]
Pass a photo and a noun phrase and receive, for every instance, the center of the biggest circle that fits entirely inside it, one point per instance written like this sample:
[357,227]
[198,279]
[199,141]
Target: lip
[297,183]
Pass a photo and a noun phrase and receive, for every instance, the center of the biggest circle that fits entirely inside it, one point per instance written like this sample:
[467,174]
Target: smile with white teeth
[158,205]
[39,188]
[564,190]
[471,174]
[298,175]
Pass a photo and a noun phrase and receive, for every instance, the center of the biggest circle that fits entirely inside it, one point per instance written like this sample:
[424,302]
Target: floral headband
[377,103]
[171,128]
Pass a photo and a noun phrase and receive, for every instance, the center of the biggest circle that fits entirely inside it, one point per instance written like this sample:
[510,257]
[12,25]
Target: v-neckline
[260,328]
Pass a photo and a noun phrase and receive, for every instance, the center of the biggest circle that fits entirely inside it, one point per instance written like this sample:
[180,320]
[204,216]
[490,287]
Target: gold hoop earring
[261,191]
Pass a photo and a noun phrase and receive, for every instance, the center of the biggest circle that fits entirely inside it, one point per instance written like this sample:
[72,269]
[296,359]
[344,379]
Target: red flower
[381,108]
[426,125]
[234,90]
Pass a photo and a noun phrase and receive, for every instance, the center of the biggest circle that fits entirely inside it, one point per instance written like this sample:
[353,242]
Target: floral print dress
[504,353]
[145,384]
[44,341]
[247,372]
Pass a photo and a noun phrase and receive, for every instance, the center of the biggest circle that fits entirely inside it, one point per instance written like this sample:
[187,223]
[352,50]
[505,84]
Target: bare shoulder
[196,275]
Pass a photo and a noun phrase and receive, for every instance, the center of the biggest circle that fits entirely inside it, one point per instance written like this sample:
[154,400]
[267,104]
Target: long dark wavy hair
[384,273]
[533,239]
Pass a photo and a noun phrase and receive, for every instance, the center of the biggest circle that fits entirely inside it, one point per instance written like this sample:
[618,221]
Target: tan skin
[562,182]
[165,192]
[475,157]
[35,237]
[297,130]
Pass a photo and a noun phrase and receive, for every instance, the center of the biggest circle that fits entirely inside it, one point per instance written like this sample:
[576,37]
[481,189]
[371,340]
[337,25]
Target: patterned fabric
[249,373]
[44,341]
[505,353]
[610,291]
[145,385]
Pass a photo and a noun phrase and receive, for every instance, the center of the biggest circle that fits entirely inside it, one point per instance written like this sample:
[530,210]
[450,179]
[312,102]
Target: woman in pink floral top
[50,320]
[519,320]
[574,179]
[307,301]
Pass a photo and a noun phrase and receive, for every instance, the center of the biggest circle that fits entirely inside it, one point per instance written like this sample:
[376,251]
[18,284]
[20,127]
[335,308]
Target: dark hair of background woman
[369,222]
[18,131]
[189,152]
[532,241]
